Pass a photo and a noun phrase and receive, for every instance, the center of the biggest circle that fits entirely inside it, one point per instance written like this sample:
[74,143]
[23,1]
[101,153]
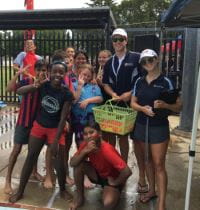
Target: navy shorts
[156,134]
[21,135]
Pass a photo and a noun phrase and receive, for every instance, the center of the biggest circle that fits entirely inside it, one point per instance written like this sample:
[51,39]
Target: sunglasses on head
[147,60]
[120,39]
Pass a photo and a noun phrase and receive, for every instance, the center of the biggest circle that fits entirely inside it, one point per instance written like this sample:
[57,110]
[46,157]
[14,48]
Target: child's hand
[99,80]
[43,77]
[83,104]
[37,83]
[90,147]
[115,97]
[69,62]
[24,70]
[67,127]
[81,81]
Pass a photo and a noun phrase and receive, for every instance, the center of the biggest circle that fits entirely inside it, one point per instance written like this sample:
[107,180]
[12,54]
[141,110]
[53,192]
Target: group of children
[57,101]
[51,96]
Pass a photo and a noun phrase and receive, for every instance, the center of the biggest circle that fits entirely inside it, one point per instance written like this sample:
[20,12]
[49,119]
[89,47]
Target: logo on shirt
[50,104]
[128,64]
[158,86]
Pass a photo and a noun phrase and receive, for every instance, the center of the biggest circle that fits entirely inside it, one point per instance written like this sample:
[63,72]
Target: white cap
[147,53]
[120,31]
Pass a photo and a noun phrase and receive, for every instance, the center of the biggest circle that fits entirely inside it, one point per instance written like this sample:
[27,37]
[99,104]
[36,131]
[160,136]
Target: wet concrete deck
[37,197]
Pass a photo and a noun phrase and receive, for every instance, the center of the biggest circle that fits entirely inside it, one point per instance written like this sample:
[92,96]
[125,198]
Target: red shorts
[48,134]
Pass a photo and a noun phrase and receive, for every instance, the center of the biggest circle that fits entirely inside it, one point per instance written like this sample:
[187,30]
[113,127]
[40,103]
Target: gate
[12,42]
[92,41]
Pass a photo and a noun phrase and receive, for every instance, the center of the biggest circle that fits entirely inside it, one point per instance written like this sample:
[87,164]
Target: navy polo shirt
[146,95]
[121,78]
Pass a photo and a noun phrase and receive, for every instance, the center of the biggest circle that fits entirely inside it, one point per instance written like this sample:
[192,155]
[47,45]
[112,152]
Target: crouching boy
[102,164]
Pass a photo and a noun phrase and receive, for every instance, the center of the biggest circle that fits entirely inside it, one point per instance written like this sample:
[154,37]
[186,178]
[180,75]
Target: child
[87,96]
[56,100]
[80,58]
[62,56]
[103,57]
[105,167]
[70,52]
[25,120]
[27,58]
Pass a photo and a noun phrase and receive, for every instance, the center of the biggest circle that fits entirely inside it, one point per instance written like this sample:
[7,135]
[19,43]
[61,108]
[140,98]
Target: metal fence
[171,49]
[12,42]
[47,41]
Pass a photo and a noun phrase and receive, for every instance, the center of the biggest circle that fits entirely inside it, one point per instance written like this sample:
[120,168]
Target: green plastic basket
[115,119]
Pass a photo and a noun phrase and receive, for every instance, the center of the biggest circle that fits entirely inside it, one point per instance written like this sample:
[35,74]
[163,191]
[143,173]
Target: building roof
[83,18]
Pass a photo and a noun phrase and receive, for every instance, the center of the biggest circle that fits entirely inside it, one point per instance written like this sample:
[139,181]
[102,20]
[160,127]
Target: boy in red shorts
[27,114]
[56,100]
[105,167]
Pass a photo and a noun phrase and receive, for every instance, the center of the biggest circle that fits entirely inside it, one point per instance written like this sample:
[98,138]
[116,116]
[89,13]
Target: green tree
[100,3]
[131,12]
[110,3]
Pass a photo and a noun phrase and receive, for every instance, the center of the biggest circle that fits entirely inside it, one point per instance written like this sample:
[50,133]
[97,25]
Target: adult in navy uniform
[151,132]
[120,73]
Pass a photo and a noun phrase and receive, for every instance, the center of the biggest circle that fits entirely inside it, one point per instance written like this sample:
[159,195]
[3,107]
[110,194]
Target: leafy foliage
[100,3]
[134,12]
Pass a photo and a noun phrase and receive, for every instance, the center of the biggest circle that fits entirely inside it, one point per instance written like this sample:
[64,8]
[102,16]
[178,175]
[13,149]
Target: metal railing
[12,42]
[92,41]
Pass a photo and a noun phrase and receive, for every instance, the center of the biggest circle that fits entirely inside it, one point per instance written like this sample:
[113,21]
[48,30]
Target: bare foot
[48,184]
[66,195]
[69,180]
[87,183]
[8,189]
[14,198]
[37,177]
[73,206]
[77,202]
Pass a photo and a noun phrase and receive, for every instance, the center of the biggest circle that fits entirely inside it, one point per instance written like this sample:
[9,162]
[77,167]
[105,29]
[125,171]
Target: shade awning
[83,18]
[182,13]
